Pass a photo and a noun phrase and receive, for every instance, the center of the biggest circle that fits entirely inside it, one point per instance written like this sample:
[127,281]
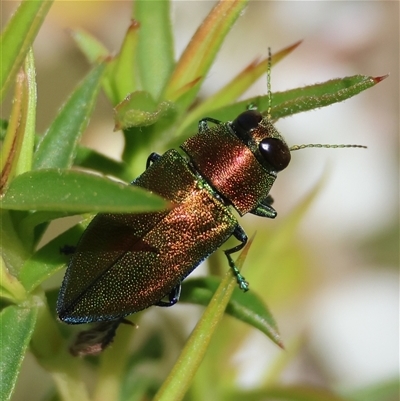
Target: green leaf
[294,101]
[93,49]
[155,53]
[17,150]
[58,146]
[321,95]
[25,158]
[3,128]
[51,351]
[89,158]
[18,36]
[76,192]
[181,375]
[200,53]
[120,79]
[140,110]
[384,391]
[231,91]
[288,393]
[13,251]
[49,259]
[17,325]
[32,225]
[284,282]
[10,288]
[247,307]
[13,140]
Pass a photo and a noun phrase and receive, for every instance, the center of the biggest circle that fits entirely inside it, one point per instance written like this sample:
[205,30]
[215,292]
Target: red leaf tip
[134,25]
[379,79]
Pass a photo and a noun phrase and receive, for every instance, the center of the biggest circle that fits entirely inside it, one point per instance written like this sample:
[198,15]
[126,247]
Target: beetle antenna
[319,145]
[269,83]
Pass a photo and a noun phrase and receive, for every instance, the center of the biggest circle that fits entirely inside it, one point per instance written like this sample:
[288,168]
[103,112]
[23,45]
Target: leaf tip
[379,79]
[294,45]
[176,93]
[135,24]
[252,65]
[279,343]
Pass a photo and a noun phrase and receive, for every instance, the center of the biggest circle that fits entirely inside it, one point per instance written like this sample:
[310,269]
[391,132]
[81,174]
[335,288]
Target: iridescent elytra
[125,263]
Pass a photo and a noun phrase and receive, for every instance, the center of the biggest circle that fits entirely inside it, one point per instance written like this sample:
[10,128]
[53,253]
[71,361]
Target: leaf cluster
[45,177]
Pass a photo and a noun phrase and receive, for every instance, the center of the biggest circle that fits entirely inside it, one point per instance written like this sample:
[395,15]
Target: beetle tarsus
[264,210]
[153,157]
[242,237]
[173,297]
[243,284]
[203,123]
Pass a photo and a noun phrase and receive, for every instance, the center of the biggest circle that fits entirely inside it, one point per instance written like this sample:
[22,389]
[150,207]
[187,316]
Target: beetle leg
[242,237]
[153,157]
[264,208]
[67,250]
[203,123]
[173,297]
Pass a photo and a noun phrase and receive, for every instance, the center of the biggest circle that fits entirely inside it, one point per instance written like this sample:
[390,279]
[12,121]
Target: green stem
[113,362]
[51,352]
[181,376]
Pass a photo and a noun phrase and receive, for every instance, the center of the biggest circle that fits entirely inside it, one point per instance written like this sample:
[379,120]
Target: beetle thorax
[229,166]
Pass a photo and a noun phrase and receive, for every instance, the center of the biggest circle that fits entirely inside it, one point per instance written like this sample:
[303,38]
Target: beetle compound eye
[246,121]
[275,153]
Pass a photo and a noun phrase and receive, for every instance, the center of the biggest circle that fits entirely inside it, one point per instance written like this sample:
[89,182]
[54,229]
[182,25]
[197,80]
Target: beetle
[125,263]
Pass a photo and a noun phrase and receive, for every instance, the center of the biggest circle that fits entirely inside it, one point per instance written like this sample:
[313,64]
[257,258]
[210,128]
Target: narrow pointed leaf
[58,146]
[247,307]
[15,132]
[314,96]
[17,326]
[49,259]
[231,91]
[13,251]
[89,158]
[10,287]
[155,58]
[140,110]
[289,393]
[202,49]
[28,141]
[90,46]
[120,78]
[296,100]
[17,150]
[18,36]
[95,52]
[275,251]
[321,95]
[181,375]
[76,192]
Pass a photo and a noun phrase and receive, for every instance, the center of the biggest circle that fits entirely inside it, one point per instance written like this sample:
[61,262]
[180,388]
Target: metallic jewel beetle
[127,262]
